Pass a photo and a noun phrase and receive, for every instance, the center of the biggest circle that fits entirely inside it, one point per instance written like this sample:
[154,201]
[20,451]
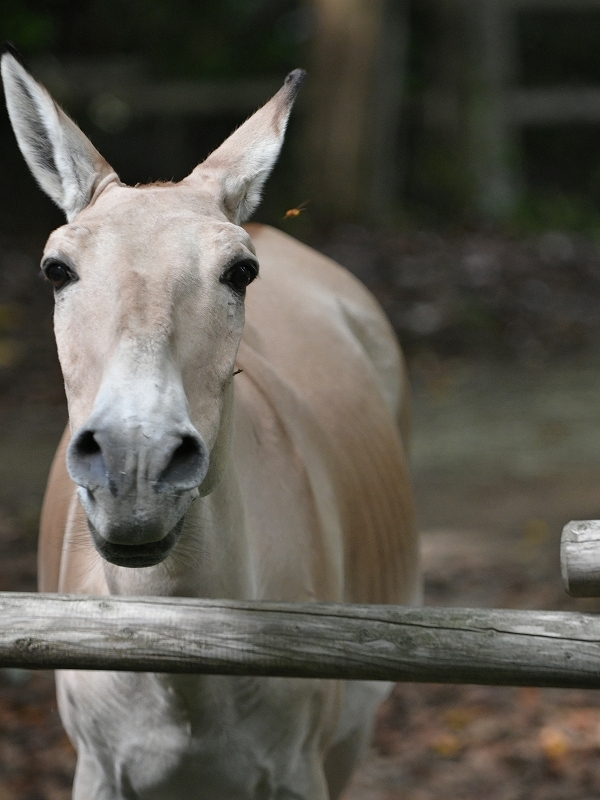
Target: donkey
[218,446]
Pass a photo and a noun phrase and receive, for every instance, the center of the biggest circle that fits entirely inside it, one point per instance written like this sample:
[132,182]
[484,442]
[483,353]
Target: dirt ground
[506,450]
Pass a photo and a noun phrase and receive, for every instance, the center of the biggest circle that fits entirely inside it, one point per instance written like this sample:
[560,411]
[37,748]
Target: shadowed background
[448,153]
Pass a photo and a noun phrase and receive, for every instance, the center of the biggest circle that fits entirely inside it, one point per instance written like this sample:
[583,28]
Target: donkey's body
[301,474]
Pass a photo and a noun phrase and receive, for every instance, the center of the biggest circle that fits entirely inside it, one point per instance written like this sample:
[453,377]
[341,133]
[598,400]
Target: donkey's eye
[240,275]
[57,273]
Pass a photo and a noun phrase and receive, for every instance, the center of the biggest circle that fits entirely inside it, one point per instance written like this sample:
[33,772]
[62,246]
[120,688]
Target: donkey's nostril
[187,466]
[98,458]
[85,461]
[86,444]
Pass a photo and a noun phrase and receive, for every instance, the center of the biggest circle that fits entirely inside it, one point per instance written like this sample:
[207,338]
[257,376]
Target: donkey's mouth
[136,555]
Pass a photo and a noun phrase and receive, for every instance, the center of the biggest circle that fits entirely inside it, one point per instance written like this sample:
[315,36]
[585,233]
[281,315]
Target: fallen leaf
[446,745]
[459,718]
[554,743]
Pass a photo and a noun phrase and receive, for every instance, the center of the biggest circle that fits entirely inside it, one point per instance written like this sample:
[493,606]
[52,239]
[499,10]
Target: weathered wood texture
[547,5]
[475,101]
[526,648]
[552,106]
[580,558]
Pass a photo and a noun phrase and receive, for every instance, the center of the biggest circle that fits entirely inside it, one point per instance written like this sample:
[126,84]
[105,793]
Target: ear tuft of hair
[13,50]
[294,80]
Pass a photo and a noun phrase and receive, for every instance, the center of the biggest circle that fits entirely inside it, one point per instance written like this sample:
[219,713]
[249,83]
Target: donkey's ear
[241,165]
[62,159]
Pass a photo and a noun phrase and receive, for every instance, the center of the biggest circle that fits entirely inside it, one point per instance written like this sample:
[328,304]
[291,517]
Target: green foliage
[477,319]
[539,212]
[180,38]
[559,46]
[30,28]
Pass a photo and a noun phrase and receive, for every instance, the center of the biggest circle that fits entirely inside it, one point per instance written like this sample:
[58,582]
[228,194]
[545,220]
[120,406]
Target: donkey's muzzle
[136,556]
[99,459]
[135,486]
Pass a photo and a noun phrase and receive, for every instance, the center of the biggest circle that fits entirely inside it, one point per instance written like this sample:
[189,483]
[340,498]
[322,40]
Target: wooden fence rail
[392,643]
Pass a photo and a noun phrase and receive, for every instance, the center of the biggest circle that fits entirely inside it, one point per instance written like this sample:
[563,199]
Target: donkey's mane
[155,185]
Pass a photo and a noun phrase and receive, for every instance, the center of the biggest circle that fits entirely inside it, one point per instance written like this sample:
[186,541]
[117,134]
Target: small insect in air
[295,212]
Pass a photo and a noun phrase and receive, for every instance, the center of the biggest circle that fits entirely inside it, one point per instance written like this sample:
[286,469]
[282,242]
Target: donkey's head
[149,286]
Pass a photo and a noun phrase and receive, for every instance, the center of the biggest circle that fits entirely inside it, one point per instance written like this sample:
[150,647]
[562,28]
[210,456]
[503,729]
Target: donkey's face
[149,286]
[149,300]
[148,316]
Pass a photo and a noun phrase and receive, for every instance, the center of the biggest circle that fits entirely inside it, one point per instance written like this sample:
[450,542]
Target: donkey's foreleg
[91,781]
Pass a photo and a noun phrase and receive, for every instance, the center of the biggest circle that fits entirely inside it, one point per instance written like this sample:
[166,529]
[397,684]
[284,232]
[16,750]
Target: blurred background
[448,153]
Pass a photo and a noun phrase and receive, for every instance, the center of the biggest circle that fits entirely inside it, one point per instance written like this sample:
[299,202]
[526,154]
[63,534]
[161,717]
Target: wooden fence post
[580,558]
[493,150]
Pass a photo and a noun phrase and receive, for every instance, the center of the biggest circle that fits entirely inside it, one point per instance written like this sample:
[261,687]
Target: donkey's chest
[155,737]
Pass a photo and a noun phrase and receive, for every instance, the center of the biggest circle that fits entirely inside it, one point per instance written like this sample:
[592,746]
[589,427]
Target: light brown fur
[338,388]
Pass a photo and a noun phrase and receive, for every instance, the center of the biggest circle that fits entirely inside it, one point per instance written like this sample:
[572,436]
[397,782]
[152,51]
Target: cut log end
[580,558]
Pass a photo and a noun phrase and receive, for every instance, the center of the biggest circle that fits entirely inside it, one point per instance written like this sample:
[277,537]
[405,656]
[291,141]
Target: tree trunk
[354,97]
